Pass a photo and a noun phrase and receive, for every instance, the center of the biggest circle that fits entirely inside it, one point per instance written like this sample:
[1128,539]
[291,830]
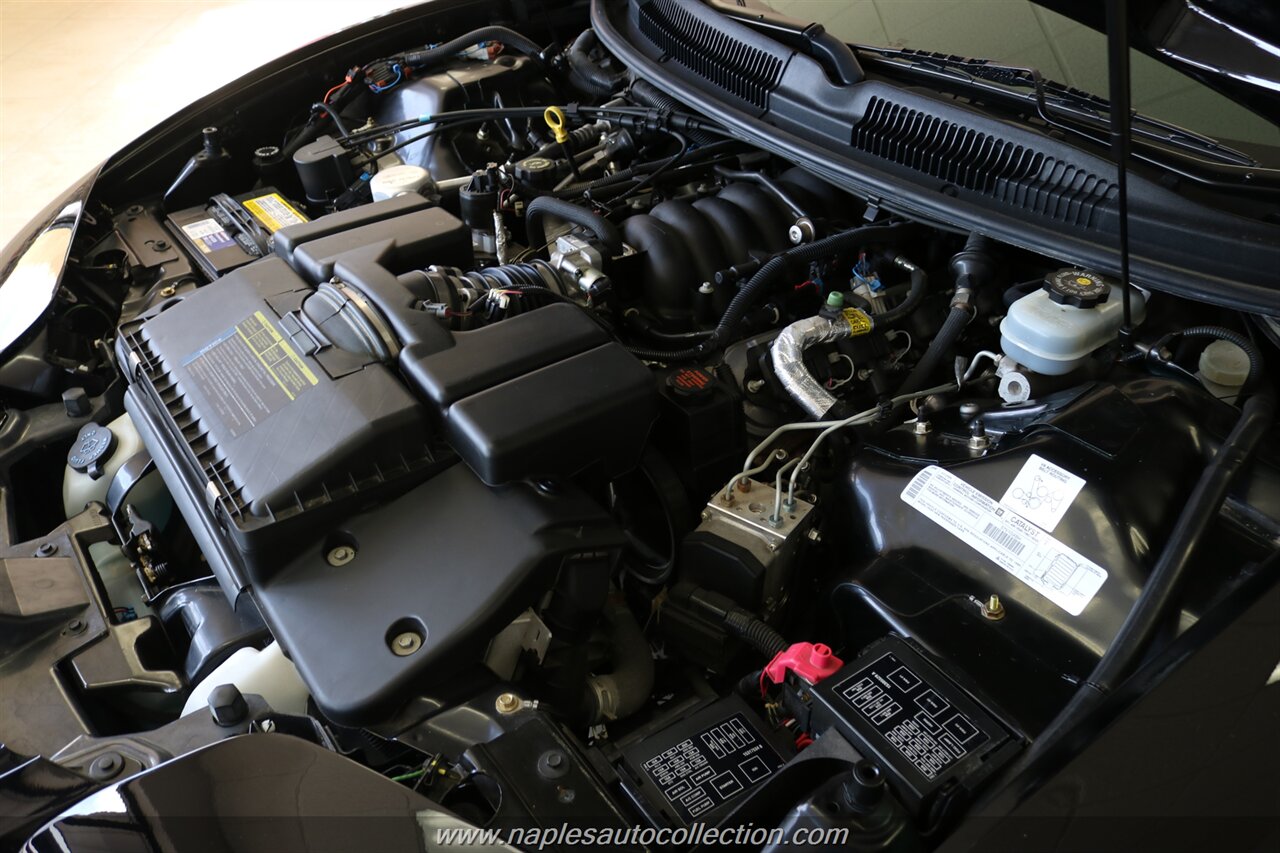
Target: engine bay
[512,430]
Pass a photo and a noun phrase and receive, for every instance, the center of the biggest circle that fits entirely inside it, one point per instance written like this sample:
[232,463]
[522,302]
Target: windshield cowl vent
[984,163]
[737,68]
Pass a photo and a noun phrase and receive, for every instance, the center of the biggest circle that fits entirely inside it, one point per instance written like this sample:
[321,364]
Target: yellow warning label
[859,321]
[1084,282]
[273,211]
[285,366]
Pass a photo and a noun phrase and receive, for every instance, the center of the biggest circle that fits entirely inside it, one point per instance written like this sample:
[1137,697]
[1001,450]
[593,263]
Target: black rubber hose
[629,684]
[972,267]
[942,343]
[507,37]
[1159,594]
[585,74]
[909,303]
[333,114]
[648,95]
[544,205]
[1222,333]
[773,270]
[637,322]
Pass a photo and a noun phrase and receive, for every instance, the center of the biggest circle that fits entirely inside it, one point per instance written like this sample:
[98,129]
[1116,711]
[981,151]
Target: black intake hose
[442,52]
[586,74]
[1153,608]
[624,690]
[544,205]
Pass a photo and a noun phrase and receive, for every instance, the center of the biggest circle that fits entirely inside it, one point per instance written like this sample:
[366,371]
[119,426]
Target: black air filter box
[255,424]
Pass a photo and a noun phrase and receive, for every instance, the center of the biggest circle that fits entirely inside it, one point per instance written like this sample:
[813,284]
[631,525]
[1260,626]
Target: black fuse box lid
[924,730]
[699,767]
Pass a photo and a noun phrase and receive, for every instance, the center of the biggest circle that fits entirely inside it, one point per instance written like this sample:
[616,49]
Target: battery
[697,768]
[231,231]
[924,730]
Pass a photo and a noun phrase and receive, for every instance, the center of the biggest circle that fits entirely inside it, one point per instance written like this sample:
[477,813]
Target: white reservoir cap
[399,180]
[1224,363]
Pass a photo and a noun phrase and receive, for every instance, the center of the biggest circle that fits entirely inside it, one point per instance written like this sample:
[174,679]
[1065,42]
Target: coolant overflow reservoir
[1055,330]
[1224,367]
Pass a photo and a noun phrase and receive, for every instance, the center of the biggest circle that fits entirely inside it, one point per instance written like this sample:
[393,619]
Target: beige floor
[78,80]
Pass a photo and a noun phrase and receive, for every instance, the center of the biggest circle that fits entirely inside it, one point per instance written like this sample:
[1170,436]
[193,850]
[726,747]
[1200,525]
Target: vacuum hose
[971,267]
[586,74]
[544,205]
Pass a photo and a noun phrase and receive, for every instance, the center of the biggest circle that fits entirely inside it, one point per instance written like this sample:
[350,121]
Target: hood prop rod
[1121,114]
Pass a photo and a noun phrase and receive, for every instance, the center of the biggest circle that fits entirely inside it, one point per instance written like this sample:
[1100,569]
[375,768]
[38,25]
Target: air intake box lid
[265,432]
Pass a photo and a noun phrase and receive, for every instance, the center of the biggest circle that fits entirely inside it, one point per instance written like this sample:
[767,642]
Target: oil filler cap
[1077,287]
[93,446]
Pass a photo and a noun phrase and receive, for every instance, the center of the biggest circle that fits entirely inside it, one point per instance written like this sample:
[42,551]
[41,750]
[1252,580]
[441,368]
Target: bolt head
[227,706]
[168,290]
[106,766]
[406,643]
[46,549]
[340,555]
[814,535]
[507,703]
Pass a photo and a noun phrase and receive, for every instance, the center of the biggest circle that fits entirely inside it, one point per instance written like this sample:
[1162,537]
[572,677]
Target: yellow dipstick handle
[554,117]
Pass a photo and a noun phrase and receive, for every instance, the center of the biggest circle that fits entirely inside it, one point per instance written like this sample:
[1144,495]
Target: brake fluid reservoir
[1055,330]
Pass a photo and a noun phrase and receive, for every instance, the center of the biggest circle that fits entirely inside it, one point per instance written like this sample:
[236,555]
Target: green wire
[405,777]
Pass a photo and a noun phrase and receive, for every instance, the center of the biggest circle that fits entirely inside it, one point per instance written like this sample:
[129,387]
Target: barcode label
[1005,539]
[1009,540]
[917,484]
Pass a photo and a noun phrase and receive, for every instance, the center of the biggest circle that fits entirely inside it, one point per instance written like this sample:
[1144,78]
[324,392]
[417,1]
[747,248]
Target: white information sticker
[1042,492]
[1003,536]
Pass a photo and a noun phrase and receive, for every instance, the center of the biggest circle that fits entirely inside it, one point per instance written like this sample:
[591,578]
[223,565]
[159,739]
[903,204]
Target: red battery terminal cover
[811,662]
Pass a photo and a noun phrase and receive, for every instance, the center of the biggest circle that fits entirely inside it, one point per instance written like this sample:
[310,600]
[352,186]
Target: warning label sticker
[273,211]
[1005,537]
[1042,492]
[249,372]
[208,235]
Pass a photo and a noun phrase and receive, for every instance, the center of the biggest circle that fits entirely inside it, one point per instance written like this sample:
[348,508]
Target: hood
[1232,46]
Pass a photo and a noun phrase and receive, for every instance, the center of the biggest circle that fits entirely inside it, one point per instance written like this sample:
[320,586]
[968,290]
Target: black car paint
[1227,654]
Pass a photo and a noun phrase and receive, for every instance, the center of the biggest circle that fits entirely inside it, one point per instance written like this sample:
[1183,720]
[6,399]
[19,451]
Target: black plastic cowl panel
[985,161]
[746,71]
[1064,208]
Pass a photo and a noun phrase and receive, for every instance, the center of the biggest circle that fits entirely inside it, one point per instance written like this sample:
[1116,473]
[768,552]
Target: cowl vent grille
[739,69]
[977,161]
